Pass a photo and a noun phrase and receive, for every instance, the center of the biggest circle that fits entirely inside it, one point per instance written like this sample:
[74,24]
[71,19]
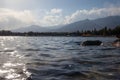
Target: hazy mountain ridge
[80,25]
[110,22]
[33,28]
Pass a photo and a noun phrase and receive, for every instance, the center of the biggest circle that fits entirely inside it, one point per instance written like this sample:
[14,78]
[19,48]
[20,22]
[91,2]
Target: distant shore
[51,34]
[104,32]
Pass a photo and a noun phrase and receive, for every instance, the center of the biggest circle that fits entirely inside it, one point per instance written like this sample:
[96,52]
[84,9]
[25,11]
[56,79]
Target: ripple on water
[57,58]
[31,49]
[46,55]
[13,71]
[12,67]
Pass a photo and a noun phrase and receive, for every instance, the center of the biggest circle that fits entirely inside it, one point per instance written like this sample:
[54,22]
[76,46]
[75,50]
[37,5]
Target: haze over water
[58,58]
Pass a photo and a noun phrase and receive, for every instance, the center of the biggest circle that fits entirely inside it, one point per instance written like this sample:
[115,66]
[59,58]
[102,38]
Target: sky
[22,13]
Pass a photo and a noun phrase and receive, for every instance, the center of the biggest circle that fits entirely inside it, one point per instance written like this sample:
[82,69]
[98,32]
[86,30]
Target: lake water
[58,58]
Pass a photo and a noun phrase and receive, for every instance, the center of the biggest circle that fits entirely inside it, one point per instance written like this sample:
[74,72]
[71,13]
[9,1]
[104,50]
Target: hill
[110,22]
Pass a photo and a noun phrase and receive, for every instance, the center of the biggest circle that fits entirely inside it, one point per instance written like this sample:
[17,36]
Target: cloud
[51,20]
[52,17]
[12,19]
[56,11]
[92,14]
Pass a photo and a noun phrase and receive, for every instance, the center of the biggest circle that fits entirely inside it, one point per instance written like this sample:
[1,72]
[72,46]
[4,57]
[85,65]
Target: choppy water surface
[58,58]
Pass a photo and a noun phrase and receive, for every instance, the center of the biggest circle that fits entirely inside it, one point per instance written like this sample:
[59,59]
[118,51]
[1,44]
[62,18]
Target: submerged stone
[92,43]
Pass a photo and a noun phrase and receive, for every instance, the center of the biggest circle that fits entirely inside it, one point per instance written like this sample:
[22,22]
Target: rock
[92,43]
[116,43]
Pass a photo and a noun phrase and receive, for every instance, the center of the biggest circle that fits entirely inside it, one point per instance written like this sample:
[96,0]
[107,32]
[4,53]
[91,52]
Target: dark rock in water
[116,43]
[92,43]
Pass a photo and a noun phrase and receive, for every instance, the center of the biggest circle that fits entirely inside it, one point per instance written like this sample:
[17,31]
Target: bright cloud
[92,14]
[52,18]
[12,19]
[56,11]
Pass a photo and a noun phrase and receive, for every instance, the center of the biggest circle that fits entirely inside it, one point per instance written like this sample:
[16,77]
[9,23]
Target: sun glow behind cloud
[12,19]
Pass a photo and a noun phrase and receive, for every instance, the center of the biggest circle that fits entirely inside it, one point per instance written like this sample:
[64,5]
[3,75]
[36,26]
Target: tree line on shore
[102,32]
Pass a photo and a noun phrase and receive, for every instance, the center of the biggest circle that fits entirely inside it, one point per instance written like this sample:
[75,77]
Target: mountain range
[110,22]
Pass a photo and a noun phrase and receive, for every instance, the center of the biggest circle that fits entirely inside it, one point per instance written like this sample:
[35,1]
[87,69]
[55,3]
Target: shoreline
[57,36]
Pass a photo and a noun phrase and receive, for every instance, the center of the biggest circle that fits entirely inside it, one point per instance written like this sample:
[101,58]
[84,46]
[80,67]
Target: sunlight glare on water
[12,63]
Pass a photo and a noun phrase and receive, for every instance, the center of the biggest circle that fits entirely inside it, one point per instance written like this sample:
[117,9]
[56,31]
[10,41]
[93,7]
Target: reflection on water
[12,63]
[58,58]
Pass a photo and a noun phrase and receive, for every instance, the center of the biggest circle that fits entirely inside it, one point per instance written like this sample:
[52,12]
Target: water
[58,58]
